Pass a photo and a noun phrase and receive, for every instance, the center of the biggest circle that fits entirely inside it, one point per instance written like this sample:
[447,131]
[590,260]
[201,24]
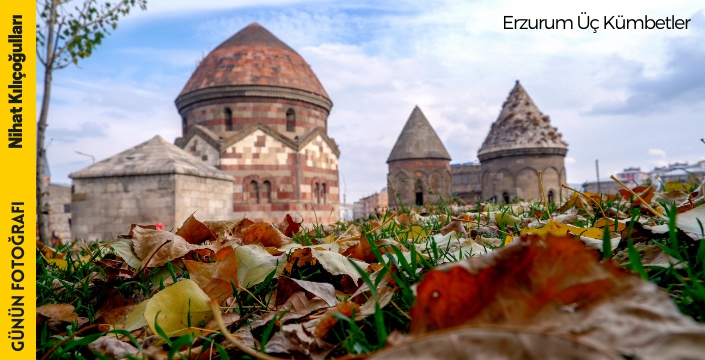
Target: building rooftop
[152,157]
[418,140]
[521,125]
[253,56]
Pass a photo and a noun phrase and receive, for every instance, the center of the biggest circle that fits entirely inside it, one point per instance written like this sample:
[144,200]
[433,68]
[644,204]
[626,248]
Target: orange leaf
[265,234]
[195,232]
[328,320]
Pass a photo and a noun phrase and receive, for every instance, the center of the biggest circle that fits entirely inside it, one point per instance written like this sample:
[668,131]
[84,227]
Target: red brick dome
[254,56]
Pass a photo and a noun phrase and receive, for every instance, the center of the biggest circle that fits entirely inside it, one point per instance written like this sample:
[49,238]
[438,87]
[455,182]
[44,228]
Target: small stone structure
[152,182]
[254,109]
[419,164]
[520,143]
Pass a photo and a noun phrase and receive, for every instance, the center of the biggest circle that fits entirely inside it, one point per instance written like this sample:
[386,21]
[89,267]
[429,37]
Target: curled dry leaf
[226,230]
[265,234]
[328,320]
[296,339]
[215,278]
[287,286]
[164,246]
[557,285]
[112,347]
[195,232]
[58,312]
[290,227]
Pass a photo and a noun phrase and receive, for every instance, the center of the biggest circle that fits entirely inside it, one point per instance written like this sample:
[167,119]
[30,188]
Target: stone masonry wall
[518,176]
[466,181]
[60,210]
[246,111]
[104,208]
[207,199]
[201,149]
[406,175]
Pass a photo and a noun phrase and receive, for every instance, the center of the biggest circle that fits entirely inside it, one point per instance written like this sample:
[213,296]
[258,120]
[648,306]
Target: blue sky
[627,98]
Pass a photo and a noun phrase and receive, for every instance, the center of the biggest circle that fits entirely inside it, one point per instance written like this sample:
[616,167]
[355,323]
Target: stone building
[419,164]
[60,210]
[520,143]
[371,204]
[254,109]
[466,181]
[152,182]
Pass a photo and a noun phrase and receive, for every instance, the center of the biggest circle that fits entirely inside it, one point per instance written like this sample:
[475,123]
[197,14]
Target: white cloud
[657,152]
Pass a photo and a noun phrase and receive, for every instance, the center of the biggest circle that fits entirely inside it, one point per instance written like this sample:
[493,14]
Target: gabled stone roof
[418,140]
[521,125]
[152,157]
[253,56]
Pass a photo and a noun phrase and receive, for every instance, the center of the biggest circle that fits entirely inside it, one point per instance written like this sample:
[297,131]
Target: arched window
[505,196]
[550,196]
[419,192]
[290,120]
[183,121]
[254,193]
[323,192]
[228,119]
[266,192]
[317,190]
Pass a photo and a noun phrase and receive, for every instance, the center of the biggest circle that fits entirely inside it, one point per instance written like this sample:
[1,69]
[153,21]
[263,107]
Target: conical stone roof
[418,140]
[152,157]
[253,56]
[521,125]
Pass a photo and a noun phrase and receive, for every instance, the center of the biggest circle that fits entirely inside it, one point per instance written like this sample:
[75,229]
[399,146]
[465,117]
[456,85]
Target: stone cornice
[521,152]
[233,91]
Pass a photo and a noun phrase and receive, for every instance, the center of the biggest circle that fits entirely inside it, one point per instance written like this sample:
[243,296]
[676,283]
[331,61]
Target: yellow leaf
[416,233]
[674,186]
[135,320]
[507,219]
[558,229]
[329,239]
[177,307]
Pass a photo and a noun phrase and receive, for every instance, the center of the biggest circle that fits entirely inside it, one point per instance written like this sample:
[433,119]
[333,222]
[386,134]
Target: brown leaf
[132,227]
[328,320]
[61,312]
[457,226]
[287,286]
[495,342]
[265,234]
[112,347]
[645,192]
[557,285]
[292,227]
[296,339]
[115,316]
[215,278]
[362,251]
[164,245]
[195,232]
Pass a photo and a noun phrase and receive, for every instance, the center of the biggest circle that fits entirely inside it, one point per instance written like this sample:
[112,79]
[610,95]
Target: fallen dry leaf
[164,246]
[177,307]
[113,348]
[557,285]
[265,234]
[195,232]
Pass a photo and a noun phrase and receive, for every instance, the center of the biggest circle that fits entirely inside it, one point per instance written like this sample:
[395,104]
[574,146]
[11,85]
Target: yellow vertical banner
[17,193]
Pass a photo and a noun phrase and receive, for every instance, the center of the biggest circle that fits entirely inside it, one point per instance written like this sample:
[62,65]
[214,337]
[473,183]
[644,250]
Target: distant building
[466,181]
[419,164]
[520,143]
[153,182]
[376,203]
[634,176]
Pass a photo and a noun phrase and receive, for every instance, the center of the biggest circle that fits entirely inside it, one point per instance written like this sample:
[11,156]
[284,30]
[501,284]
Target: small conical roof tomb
[521,125]
[418,140]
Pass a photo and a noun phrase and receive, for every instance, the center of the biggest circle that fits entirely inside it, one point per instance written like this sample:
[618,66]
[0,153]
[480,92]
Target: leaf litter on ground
[599,276]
